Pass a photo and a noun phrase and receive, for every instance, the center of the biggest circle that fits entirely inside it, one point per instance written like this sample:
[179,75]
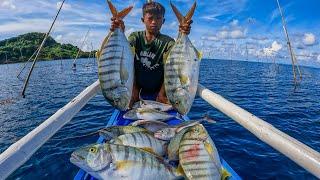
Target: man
[151,47]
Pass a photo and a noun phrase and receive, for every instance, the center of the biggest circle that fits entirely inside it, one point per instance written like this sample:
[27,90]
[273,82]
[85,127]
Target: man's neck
[150,36]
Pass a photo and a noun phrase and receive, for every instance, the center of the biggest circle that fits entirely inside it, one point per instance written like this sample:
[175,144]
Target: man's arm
[162,97]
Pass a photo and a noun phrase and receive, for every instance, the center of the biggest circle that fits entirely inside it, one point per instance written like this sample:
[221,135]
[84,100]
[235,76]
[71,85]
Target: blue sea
[266,90]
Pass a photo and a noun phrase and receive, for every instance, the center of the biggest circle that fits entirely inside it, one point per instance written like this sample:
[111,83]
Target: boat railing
[18,153]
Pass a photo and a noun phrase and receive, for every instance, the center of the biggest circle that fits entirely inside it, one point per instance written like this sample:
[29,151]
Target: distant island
[21,48]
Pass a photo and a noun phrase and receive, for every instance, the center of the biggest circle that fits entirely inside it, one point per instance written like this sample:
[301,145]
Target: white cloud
[309,39]
[58,37]
[8,4]
[129,31]
[318,58]
[210,17]
[270,51]
[65,5]
[237,34]
[234,22]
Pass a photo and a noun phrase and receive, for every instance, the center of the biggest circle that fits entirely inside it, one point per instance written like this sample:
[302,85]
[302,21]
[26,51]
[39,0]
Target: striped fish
[109,133]
[181,69]
[110,161]
[142,140]
[198,155]
[115,65]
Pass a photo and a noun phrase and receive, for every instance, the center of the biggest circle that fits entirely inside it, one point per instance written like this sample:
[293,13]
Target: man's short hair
[153,8]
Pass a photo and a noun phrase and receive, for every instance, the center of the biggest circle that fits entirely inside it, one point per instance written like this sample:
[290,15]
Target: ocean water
[265,90]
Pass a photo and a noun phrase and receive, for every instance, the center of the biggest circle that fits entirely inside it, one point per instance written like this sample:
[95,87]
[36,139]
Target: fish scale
[142,140]
[144,164]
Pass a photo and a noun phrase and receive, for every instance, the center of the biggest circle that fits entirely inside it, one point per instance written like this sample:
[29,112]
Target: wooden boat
[117,119]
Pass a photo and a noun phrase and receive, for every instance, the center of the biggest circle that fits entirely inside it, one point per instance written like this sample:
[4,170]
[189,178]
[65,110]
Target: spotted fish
[198,155]
[110,161]
[115,65]
[181,69]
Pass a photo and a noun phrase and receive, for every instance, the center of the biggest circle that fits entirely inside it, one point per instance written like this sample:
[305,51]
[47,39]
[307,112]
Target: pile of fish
[150,148]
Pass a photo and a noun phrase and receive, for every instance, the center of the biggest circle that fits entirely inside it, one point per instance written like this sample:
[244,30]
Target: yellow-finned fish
[181,68]
[143,141]
[111,132]
[116,65]
[111,161]
[198,155]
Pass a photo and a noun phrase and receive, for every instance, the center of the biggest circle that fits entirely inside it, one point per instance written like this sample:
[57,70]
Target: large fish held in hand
[116,65]
[181,69]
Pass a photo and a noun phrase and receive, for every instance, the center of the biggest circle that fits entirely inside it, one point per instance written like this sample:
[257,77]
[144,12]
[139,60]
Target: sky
[222,29]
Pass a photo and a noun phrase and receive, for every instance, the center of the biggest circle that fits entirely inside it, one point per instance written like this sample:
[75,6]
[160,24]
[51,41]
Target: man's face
[153,22]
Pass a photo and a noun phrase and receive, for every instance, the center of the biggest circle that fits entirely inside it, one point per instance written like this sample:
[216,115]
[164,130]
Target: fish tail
[180,17]
[117,14]
[206,118]
[180,117]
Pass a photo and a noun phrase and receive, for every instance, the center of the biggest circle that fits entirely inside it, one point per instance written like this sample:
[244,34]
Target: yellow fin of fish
[225,174]
[184,79]
[200,54]
[179,171]
[123,165]
[165,57]
[133,50]
[208,147]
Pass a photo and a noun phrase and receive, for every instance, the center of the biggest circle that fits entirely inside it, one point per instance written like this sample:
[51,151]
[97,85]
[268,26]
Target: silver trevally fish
[110,161]
[181,69]
[169,132]
[115,65]
[143,141]
[152,105]
[150,125]
[148,114]
[111,132]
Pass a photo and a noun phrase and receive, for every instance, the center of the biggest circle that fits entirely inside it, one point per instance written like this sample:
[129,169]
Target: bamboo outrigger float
[18,153]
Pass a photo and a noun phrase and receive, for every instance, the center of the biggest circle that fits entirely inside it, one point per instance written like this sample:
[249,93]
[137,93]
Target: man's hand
[185,27]
[117,23]
[162,97]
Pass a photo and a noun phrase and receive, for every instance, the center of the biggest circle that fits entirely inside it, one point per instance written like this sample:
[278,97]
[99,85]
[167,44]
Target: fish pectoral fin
[200,54]
[133,50]
[225,174]
[124,165]
[179,171]
[184,79]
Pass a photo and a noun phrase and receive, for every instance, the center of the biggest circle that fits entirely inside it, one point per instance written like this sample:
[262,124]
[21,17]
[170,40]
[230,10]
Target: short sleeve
[133,39]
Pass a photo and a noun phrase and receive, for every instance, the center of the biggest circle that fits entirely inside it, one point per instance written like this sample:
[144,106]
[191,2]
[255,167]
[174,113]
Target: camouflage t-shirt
[148,60]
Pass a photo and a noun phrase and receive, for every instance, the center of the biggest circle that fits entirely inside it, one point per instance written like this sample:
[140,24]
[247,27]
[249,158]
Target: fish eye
[93,150]
[177,102]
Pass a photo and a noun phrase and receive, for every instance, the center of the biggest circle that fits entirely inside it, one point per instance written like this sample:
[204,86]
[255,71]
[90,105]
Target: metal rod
[25,64]
[293,60]
[301,154]
[18,153]
[85,38]
[35,59]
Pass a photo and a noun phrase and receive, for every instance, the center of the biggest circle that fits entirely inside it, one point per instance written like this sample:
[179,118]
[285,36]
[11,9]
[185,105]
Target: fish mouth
[76,159]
